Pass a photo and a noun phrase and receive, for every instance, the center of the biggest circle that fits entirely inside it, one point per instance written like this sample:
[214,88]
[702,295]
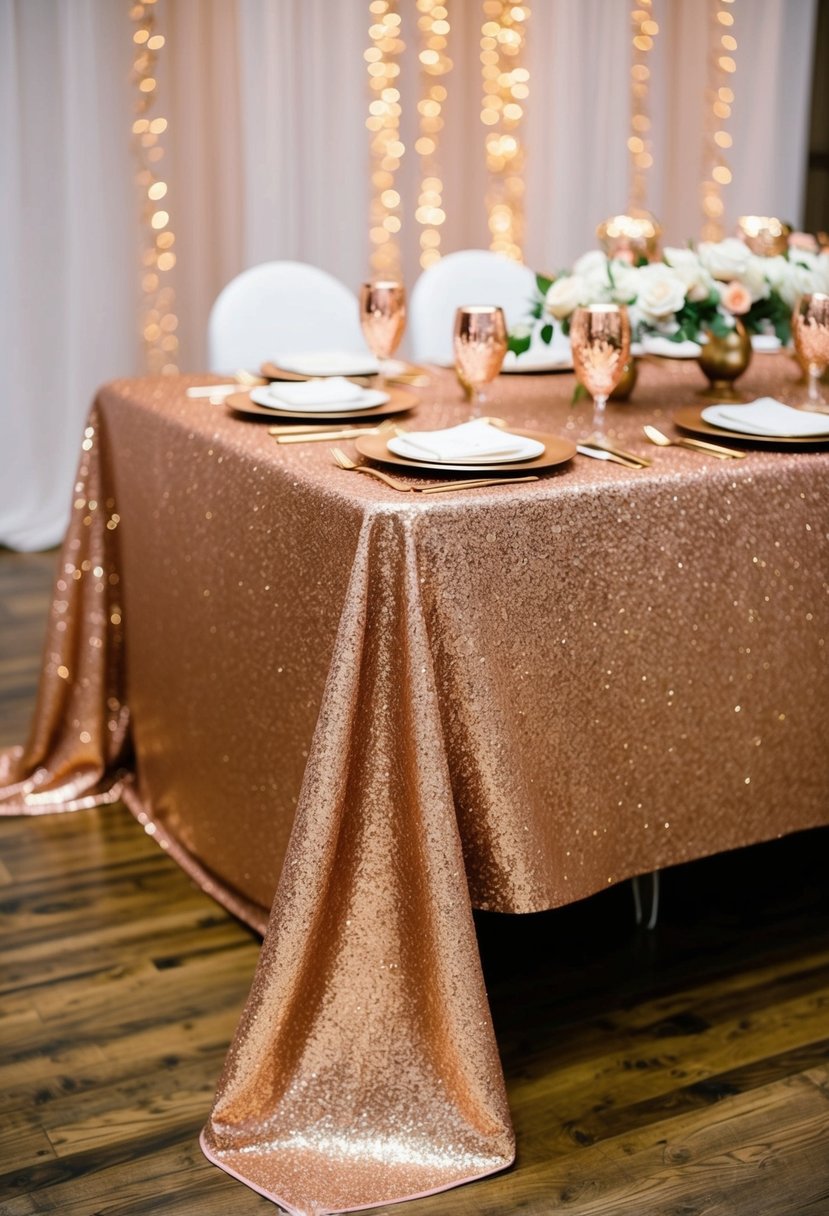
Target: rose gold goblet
[810,330]
[600,338]
[383,319]
[480,343]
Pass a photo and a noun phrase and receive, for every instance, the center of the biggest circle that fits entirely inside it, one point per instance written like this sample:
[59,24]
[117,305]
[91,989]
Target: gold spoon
[697,445]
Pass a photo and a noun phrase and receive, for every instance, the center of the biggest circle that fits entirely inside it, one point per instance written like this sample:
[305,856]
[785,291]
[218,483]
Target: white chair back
[471,276]
[281,307]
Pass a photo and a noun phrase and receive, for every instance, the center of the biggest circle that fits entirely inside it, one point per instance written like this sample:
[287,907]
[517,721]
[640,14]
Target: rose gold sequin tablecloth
[369,711]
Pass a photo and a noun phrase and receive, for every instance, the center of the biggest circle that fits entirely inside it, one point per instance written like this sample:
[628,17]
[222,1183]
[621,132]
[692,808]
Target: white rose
[778,272]
[803,279]
[626,280]
[686,265]
[566,294]
[725,260]
[754,278]
[592,265]
[661,292]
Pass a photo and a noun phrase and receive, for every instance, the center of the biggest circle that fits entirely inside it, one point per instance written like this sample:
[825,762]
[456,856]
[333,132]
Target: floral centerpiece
[689,292]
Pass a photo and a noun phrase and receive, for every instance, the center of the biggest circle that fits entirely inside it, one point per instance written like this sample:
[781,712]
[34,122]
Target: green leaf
[579,394]
[543,282]
[546,334]
[519,344]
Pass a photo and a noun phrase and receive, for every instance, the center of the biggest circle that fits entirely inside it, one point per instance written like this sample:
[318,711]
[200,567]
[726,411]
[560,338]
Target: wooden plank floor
[683,1072]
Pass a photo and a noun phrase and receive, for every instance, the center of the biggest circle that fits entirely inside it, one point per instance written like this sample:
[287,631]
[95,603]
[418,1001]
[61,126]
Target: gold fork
[344,462]
[435,487]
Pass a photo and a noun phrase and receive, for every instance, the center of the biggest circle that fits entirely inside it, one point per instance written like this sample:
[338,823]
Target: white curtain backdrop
[267,157]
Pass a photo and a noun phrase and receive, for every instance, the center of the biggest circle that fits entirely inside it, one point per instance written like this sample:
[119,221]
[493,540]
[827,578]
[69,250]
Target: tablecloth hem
[215,1159]
[250,913]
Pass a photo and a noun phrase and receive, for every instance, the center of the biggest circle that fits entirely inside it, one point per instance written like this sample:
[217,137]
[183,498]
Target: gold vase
[626,385]
[723,360]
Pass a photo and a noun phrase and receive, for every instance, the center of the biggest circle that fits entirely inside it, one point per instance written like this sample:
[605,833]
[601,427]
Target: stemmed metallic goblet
[600,338]
[480,343]
[383,319]
[810,330]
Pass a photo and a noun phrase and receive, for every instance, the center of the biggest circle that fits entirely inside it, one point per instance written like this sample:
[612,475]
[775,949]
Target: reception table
[353,714]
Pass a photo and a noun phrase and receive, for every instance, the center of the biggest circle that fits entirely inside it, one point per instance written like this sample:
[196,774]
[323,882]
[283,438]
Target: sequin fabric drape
[367,711]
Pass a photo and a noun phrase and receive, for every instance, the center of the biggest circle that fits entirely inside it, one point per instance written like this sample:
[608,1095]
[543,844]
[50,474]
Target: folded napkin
[335,390]
[475,442]
[328,363]
[769,417]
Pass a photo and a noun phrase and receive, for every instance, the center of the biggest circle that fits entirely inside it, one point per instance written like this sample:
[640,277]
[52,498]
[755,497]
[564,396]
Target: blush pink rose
[736,297]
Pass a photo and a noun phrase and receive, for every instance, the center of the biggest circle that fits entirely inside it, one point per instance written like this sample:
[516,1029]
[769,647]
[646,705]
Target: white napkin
[327,363]
[475,442]
[335,390]
[769,417]
[318,397]
[655,344]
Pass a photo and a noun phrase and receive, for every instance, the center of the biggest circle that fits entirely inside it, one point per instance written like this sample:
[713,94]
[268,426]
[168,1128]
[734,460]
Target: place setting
[318,388]
[481,445]
[767,421]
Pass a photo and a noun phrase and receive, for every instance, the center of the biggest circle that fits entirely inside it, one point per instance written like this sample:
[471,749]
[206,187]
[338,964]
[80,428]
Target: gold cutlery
[319,434]
[471,485]
[598,441]
[698,445]
[604,454]
[344,462]
[248,379]
[405,487]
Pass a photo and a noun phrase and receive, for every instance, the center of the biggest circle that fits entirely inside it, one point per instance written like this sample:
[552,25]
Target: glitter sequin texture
[364,709]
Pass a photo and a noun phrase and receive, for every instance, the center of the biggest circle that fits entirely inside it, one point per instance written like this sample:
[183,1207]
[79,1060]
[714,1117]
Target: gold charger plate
[556,451]
[400,400]
[689,418]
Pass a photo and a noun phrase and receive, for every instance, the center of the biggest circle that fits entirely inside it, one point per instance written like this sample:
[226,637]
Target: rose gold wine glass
[480,345]
[600,338]
[383,318]
[810,330]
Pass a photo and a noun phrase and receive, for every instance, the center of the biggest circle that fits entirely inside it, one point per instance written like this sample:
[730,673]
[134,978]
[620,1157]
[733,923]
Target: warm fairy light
[433,24]
[765,235]
[159,321]
[645,30]
[630,237]
[719,100]
[506,86]
[384,123]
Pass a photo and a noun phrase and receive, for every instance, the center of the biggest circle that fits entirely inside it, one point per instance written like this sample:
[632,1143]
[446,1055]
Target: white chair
[281,307]
[471,276]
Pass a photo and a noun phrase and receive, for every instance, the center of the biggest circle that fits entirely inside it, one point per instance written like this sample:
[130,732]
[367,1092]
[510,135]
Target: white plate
[530,448]
[769,418]
[369,399]
[654,344]
[327,363]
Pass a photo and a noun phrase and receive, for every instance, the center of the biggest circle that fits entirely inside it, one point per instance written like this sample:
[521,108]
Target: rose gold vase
[723,360]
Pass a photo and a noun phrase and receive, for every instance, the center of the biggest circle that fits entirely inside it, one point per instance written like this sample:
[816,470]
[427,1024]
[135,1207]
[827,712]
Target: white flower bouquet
[691,291]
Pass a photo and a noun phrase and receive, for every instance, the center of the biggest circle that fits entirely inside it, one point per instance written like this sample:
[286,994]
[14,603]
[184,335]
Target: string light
[386,149]
[506,86]
[433,25]
[158,321]
[645,30]
[719,100]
